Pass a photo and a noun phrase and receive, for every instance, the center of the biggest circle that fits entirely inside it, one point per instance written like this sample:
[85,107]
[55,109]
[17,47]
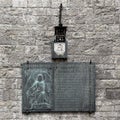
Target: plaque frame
[53,67]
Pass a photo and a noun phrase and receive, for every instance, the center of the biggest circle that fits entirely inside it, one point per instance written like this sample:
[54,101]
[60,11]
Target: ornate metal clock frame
[59,45]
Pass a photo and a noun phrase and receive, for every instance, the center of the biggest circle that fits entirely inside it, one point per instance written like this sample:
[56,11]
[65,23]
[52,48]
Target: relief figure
[38,93]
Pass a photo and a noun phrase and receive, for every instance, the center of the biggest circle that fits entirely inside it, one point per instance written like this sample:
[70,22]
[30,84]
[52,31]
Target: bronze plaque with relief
[58,87]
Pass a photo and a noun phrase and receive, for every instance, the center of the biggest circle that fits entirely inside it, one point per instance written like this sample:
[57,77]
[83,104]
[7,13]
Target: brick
[38,11]
[100,94]
[78,35]
[116,50]
[105,66]
[107,19]
[117,108]
[106,74]
[39,3]
[31,50]
[109,2]
[94,58]
[108,84]
[80,19]
[113,93]
[105,10]
[13,94]
[104,108]
[19,3]
[56,3]
[107,114]
[6,95]
[99,3]
[10,73]
[3,59]
[114,28]
[26,40]
[89,3]
[101,28]
[117,3]
[5,3]
[12,20]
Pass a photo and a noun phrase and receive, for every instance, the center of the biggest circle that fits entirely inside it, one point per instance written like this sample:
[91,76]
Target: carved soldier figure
[38,93]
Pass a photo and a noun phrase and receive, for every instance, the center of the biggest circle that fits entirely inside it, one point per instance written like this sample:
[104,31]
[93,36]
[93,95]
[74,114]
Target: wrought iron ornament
[60,15]
[59,45]
[58,87]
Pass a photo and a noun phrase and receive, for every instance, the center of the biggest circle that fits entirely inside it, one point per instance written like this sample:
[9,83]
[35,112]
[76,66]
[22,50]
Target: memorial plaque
[58,87]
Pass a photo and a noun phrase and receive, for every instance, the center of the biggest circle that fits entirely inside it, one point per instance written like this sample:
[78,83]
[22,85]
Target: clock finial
[60,14]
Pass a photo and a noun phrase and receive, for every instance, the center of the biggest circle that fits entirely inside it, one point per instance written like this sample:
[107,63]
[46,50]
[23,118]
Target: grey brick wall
[26,31]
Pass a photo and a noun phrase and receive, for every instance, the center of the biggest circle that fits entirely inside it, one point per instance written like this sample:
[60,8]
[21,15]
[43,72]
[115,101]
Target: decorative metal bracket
[60,30]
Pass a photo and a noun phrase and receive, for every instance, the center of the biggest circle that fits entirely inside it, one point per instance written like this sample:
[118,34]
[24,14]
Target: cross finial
[60,14]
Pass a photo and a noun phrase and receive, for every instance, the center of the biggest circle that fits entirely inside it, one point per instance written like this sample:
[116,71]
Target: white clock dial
[59,48]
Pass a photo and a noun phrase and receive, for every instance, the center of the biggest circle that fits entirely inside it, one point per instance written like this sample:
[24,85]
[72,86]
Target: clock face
[59,48]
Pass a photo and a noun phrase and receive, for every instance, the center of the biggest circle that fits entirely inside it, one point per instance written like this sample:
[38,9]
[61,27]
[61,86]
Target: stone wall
[26,31]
